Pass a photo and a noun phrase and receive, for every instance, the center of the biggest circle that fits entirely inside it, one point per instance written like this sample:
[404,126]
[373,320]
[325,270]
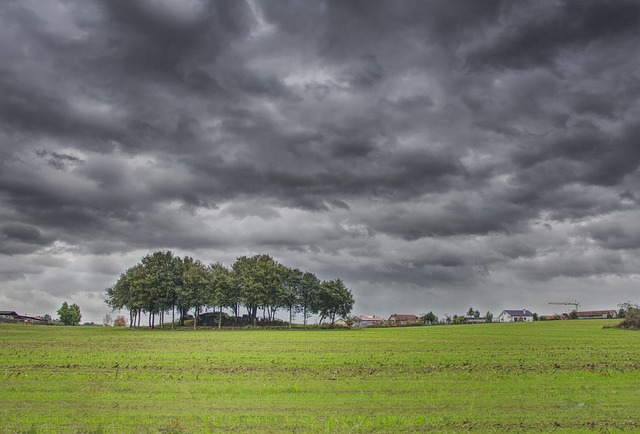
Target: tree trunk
[173,316]
[220,318]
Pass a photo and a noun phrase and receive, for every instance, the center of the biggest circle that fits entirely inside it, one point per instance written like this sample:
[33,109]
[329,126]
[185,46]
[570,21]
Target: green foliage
[69,315]
[162,282]
[430,318]
[488,317]
[335,300]
[473,313]
[458,319]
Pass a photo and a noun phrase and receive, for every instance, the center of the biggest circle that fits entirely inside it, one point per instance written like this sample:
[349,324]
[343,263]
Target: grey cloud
[361,139]
[540,32]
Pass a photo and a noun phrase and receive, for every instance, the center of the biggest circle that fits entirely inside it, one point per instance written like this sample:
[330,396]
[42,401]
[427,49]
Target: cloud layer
[433,155]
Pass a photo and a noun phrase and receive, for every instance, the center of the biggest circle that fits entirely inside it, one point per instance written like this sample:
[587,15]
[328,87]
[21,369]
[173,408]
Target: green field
[566,376]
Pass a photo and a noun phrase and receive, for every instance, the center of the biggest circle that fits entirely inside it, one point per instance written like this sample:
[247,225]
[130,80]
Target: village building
[12,316]
[402,319]
[515,315]
[368,321]
[596,314]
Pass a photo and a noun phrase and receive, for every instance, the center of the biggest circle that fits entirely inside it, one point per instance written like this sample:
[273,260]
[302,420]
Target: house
[402,319]
[368,321]
[596,314]
[515,315]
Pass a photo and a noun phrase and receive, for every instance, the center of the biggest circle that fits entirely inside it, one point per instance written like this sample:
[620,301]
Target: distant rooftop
[519,312]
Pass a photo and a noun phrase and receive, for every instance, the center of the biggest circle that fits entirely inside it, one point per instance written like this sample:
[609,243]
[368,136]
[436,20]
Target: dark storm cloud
[535,34]
[401,144]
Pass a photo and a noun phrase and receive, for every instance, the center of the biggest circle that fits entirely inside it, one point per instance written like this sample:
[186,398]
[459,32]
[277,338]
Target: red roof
[402,317]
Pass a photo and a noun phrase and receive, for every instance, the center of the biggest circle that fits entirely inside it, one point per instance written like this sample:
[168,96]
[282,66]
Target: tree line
[161,283]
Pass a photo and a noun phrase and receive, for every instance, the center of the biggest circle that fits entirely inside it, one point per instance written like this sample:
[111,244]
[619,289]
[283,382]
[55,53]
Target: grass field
[567,376]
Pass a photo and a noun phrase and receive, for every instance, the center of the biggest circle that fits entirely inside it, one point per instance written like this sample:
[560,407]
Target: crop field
[564,376]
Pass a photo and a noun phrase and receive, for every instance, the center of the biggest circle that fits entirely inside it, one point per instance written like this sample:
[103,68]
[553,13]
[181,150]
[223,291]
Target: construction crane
[569,303]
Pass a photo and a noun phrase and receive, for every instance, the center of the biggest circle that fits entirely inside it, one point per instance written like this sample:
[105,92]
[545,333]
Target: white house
[517,315]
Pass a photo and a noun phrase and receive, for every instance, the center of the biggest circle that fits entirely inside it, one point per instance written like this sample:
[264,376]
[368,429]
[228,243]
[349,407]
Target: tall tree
[221,293]
[309,296]
[291,285]
[161,278]
[336,300]
[126,293]
[259,279]
[196,284]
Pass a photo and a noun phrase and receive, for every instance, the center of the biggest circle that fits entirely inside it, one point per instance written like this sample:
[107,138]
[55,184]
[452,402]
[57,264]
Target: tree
[488,317]
[222,289]
[46,318]
[162,275]
[471,312]
[309,296]
[127,293]
[196,285]
[69,315]
[107,320]
[336,300]
[535,316]
[430,318]
[259,279]
[120,321]
[292,284]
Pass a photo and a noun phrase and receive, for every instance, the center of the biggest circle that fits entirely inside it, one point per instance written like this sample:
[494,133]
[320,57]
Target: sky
[435,155]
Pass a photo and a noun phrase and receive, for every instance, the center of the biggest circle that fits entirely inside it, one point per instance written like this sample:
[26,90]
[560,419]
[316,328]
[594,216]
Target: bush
[631,317]
[120,321]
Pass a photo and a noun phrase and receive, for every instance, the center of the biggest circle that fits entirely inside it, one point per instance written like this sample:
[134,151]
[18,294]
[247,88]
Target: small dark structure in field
[210,319]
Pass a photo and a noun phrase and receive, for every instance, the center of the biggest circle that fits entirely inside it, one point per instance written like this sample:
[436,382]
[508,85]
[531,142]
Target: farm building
[515,315]
[402,319]
[12,316]
[596,314]
[368,321]
[474,320]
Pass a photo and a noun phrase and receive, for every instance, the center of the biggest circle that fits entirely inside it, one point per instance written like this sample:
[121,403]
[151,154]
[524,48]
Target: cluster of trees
[69,315]
[162,283]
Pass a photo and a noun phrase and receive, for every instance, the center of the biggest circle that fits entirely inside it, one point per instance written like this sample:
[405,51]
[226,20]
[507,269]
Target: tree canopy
[69,315]
[162,282]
